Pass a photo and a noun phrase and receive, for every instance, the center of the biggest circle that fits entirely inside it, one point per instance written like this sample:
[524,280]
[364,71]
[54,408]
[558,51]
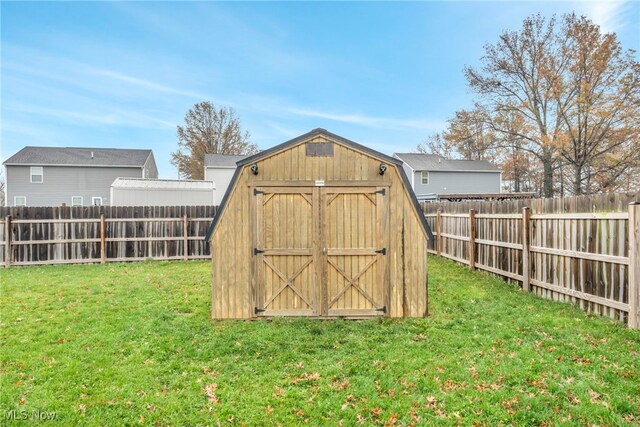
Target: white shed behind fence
[162,192]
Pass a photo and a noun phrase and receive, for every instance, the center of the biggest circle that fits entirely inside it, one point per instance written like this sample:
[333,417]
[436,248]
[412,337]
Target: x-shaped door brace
[287,281]
[352,282]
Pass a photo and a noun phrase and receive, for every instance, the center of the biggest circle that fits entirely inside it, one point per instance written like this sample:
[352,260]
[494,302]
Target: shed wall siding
[61,183]
[231,242]
[458,182]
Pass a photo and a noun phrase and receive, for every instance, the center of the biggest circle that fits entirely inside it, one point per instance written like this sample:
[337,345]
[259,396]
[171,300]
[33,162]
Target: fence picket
[57,235]
[571,249]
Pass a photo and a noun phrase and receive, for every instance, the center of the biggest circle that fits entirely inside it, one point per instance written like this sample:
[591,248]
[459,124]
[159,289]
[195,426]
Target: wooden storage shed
[319,226]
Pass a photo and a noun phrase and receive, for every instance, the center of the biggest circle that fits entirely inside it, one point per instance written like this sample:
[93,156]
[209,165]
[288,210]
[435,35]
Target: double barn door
[320,251]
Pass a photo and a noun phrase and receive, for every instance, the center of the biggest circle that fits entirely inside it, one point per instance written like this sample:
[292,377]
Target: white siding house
[219,168]
[431,175]
[162,192]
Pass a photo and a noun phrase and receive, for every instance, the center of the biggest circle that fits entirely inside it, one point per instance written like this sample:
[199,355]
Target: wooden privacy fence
[61,235]
[592,259]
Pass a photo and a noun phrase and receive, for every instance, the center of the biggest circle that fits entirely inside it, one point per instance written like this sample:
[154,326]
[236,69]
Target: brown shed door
[353,228]
[285,252]
[320,251]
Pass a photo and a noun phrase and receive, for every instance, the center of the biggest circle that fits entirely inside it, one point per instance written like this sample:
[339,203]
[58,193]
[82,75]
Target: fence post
[7,241]
[634,265]
[472,239]
[103,246]
[186,238]
[439,232]
[526,242]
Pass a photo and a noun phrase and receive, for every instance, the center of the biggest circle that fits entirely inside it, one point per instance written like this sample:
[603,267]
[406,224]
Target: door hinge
[259,310]
[382,309]
[257,251]
[382,251]
[383,192]
[256,192]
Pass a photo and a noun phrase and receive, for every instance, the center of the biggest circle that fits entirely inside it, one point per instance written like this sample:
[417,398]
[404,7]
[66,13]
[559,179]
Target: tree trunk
[577,180]
[547,165]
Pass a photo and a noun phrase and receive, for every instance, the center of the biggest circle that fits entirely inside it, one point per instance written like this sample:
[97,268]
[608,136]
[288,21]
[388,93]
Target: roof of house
[71,156]
[434,162]
[223,160]
[162,184]
[316,132]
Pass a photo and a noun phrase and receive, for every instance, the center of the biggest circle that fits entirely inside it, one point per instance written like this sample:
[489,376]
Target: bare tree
[471,137]
[576,95]
[208,130]
[598,98]
[436,144]
[517,76]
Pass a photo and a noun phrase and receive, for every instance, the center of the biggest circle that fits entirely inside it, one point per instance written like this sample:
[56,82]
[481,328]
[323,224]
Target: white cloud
[612,16]
[372,121]
[145,84]
[109,117]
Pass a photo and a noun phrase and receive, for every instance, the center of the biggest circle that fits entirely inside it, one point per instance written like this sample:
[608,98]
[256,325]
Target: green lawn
[133,343]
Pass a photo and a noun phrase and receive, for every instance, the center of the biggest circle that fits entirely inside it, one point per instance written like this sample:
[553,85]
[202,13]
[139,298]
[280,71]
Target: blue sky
[123,74]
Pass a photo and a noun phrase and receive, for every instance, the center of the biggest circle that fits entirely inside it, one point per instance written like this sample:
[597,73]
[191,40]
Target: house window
[76,201]
[37,175]
[96,201]
[20,201]
[425,178]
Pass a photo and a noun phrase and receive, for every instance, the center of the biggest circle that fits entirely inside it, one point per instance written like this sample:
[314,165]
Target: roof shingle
[433,162]
[223,160]
[70,156]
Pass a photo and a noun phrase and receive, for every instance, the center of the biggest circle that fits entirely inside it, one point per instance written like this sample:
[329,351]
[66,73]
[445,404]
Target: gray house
[219,168]
[431,175]
[51,176]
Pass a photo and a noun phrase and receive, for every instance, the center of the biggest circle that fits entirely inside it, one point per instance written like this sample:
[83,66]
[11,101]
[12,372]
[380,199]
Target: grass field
[133,343]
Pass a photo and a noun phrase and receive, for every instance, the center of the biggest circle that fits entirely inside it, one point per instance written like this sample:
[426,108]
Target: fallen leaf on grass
[509,405]
[573,399]
[306,377]
[277,392]
[432,402]
[210,392]
[392,421]
[340,384]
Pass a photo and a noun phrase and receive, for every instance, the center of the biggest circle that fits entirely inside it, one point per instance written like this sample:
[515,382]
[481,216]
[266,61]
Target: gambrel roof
[333,137]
